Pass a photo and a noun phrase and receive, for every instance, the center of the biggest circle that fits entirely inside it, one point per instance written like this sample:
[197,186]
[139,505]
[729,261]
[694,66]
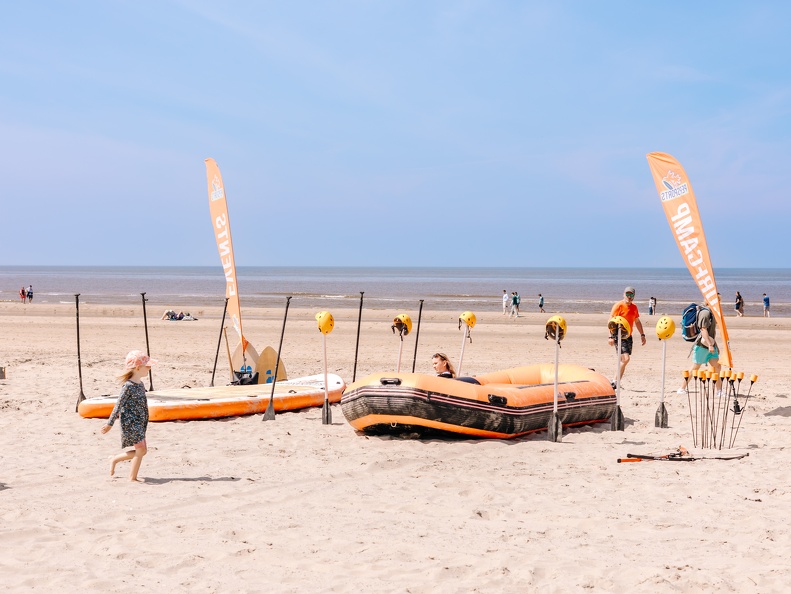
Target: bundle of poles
[715,408]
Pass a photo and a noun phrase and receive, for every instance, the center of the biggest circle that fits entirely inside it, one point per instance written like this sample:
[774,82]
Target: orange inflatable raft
[182,404]
[502,404]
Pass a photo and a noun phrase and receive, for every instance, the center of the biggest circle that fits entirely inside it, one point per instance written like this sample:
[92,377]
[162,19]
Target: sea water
[565,290]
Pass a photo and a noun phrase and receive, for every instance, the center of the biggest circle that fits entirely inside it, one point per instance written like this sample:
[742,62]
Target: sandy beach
[239,505]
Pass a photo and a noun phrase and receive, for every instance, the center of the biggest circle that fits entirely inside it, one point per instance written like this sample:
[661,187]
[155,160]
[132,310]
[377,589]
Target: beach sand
[241,505]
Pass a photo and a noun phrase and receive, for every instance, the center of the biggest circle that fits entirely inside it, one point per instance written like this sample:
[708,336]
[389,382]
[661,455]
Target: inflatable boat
[181,404]
[500,405]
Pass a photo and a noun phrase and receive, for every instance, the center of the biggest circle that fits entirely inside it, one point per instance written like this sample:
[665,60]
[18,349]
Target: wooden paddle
[228,349]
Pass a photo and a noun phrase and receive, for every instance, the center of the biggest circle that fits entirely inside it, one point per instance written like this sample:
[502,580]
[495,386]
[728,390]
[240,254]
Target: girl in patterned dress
[132,406]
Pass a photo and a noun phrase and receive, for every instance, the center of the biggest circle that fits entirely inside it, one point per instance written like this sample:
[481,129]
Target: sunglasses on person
[629,294]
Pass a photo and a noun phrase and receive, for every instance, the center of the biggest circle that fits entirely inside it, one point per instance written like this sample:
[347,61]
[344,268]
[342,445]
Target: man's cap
[629,290]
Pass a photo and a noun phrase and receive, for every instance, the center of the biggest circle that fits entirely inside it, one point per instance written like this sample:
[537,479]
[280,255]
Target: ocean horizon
[569,290]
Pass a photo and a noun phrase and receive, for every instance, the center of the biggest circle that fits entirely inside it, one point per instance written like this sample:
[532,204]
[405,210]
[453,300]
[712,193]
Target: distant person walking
[652,306]
[739,305]
[541,303]
[506,302]
[23,295]
[766,306]
[628,310]
[30,294]
[518,301]
[514,306]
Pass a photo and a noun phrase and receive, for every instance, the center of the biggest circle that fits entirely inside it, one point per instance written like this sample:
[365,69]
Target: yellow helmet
[665,328]
[617,321]
[402,323]
[326,322]
[468,318]
[556,326]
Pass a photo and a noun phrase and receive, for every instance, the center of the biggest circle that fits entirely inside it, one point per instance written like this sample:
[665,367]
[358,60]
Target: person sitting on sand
[169,315]
[442,365]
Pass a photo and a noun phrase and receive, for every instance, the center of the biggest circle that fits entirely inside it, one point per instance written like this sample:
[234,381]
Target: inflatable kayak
[182,404]
[502,404]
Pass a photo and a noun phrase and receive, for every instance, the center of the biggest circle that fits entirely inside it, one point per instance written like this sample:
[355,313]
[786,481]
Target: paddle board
[225,401]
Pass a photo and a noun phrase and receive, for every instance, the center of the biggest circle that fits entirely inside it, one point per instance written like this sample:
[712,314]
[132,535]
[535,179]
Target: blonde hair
[125,377]
[444,357]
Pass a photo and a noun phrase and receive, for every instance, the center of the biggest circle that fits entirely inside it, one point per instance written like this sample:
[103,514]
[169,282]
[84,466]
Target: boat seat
[468,380]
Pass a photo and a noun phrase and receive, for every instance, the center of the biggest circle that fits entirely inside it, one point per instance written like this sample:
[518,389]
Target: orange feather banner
[682,213]
[222,233]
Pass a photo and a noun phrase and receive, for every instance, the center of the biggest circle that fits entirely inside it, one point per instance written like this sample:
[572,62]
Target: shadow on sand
[200,479]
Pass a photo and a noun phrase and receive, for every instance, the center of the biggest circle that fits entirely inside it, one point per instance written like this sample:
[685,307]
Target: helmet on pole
[468,318]
[665,328]
[402,323]
[619,322]
[555,328]
[325,322]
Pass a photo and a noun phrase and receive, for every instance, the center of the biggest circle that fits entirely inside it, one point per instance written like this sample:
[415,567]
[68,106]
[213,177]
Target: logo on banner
[217,192]
[672,181]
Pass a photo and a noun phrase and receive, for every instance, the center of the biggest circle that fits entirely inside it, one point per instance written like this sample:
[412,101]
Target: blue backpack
[689,322]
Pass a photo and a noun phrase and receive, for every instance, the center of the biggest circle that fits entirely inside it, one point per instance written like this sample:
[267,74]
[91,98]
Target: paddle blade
[660,418]
[555,428]
[269,415]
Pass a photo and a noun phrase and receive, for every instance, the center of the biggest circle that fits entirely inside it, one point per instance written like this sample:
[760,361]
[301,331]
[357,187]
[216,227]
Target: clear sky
[411,133]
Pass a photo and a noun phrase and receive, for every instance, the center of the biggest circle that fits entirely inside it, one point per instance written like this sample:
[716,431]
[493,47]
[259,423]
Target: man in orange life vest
[628,310]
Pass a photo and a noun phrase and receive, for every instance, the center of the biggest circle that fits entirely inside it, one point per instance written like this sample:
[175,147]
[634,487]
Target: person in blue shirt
[766,306]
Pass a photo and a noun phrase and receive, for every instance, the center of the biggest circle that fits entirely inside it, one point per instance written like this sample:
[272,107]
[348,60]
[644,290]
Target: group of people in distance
[26,295]
[173,316]
[738,305]
[511,303]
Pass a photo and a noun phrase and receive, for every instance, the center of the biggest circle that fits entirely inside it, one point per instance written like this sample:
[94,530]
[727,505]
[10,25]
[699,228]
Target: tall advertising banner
[222,233]
[681,210]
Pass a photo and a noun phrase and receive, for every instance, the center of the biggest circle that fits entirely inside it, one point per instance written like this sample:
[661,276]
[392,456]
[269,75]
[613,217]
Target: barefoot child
[133,409]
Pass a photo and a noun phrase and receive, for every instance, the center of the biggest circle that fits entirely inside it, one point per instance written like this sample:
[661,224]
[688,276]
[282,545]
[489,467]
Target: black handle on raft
[498,400]
[569,395]
[390,381]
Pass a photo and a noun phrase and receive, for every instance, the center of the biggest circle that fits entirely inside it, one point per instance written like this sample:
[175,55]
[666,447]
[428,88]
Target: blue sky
[391,133]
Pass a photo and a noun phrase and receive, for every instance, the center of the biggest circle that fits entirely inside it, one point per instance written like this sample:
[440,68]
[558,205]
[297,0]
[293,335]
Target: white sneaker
[681,391]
